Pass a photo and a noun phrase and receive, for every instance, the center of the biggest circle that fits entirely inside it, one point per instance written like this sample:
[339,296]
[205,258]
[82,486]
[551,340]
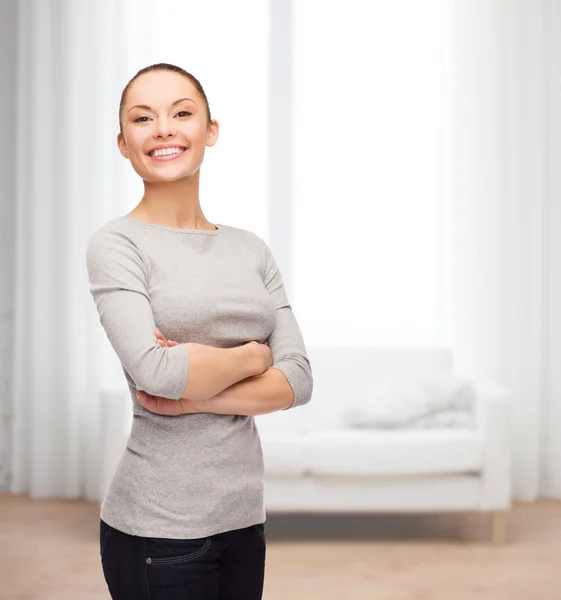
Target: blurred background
[401,158]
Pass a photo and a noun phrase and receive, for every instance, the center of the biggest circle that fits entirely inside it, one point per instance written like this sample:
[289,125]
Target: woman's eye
[181,112]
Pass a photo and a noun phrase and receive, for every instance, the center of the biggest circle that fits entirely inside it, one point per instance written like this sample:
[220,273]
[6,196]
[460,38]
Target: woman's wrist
[247,360]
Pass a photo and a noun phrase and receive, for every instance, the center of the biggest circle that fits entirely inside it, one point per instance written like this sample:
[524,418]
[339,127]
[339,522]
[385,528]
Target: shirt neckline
[177,229]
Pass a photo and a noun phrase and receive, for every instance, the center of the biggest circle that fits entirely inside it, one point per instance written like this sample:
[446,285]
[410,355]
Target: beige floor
[49,551]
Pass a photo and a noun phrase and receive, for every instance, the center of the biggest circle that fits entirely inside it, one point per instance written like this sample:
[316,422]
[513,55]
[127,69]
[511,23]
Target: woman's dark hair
[163,67]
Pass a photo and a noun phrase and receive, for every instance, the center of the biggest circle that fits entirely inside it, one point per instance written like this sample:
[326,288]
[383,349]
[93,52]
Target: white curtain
[8,43]
[503,279]
[73,60]
[496,299]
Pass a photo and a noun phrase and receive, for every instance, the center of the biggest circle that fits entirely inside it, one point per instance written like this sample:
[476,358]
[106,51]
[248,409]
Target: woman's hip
[217,567]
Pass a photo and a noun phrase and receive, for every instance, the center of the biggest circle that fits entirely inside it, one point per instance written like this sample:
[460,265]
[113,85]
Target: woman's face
[163,121]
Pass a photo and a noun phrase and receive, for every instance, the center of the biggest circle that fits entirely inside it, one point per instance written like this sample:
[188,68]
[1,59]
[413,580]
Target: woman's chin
[165,177]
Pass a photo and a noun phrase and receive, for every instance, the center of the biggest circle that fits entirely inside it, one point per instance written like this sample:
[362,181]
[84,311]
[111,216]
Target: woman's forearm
[212,370]
[257,395]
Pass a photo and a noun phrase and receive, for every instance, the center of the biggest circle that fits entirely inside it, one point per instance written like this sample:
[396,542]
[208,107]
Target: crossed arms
[258,388]
[209,379]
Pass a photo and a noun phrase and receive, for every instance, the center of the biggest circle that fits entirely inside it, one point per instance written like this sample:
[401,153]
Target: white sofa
[314,463]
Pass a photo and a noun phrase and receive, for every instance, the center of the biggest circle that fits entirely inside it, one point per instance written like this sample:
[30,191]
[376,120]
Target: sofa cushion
[355,452]
[401,401]
[343,375]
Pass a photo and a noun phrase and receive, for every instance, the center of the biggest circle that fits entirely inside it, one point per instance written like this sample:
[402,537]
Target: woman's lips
[168,156]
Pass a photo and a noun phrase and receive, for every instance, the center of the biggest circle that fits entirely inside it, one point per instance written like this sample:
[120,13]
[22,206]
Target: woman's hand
[262,354]
[157,404]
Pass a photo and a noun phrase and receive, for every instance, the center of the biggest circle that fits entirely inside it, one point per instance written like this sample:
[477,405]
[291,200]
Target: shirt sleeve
[285,341]
[118,279]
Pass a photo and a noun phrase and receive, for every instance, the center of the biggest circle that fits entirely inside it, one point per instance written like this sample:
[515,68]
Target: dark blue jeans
[224,566]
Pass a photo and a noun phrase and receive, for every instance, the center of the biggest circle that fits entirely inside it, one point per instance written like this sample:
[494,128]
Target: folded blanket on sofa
[414,402]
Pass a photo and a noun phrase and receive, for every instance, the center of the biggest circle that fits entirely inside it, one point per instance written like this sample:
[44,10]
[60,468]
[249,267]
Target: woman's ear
[122,145]
[212,133]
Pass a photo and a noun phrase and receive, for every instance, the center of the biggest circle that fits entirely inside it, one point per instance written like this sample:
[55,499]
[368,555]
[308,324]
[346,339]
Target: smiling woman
[184,513]
[156,114]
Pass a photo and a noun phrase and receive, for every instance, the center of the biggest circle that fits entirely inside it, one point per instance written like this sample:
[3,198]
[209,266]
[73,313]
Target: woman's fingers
[159,405]
[159,334]
[168,343]
[160,338]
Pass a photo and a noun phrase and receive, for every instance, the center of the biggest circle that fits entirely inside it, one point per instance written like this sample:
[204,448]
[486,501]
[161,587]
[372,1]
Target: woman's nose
[164,128]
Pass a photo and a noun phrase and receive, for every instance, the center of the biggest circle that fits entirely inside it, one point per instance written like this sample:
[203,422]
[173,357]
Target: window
[367,160]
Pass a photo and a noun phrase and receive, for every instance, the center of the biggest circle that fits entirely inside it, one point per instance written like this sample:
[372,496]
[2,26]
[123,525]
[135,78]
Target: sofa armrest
[492,422]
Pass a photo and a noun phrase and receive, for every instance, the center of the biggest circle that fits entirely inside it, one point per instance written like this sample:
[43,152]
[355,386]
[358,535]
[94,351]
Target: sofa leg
[498,526]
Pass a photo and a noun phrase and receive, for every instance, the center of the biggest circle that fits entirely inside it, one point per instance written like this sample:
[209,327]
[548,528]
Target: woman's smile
[166,155]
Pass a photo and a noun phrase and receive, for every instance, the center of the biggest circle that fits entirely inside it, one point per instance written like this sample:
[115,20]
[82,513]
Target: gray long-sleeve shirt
[199,474]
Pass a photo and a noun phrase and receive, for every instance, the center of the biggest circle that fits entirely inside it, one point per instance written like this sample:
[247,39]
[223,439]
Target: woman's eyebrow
[149,108]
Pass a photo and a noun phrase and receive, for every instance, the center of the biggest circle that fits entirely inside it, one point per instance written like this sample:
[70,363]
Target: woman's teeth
[167,151]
